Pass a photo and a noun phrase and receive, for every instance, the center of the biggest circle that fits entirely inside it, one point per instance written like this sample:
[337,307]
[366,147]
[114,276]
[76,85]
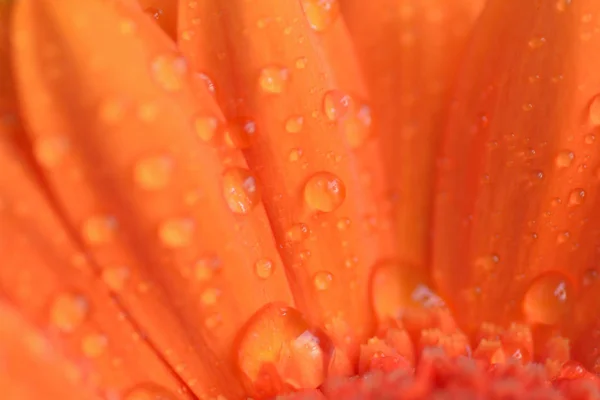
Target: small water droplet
[590,276]
[298,233]
[205,127]
[343,224]
[240,190]
[294,124]
[153,173]
[99,229]
[273,79]
[278,348]
[576,197]
[111,111]
[176,232]
[115,277]
[94,345]
[324,192]
[562,5]
[321,14]
[322,280]
[295,155]
[210,296]
[336,104]
[301,62]
[548,298]
[200,78]
[536,42]
[240,133]
[263,268]
[564,159]
[206,268]
[169,71]
[68,311]
[49,151]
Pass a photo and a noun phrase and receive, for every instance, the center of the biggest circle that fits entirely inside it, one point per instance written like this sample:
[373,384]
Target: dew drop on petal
[298,233]
[321,13]
[548,298]
[169,71]
[594,111]
[205,127]
[324,192]
[99,229]
[322,280]
[68,311]
[263,268]
[294,124]
[301,62]
[115,277]
[358,127]
[295,155]
[273,79]
[49,151]
[240,133]
[336,104]
[564,159]
[206,268]
[210,296]
[278,348]
[153,173]
[576,197]
[240,190]
[94,345]
[176,232]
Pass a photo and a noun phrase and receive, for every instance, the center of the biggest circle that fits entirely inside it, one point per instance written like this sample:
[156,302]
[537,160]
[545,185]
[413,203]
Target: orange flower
[230,199]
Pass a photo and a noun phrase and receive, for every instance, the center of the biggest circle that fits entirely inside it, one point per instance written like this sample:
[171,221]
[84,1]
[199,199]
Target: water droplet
[294,124]
[322,280]
[240,133]
[301,62]
[278,348]
[336,104]
[357,128]
[148,392]
[321,13]
[206,268]
[240,190]
[324,192]
[68,311]
[590,276]
[205,127]
[594,111]
[298,233]
[564,159]
[200,78]
[590,139]
[94,345]
[169,71]
[49,151]
[115,277]
[562,5]
[153,173]
[576,197]
[536,42]
[343,224]
[295,155]
[548,298]
[154,13]
[99,229]
[263,268]
[176,232]
[210,296]
[273,79]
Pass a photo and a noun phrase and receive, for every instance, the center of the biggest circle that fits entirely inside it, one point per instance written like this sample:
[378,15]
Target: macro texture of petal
[164,12]
[517,201]
[125,147]
[267,64]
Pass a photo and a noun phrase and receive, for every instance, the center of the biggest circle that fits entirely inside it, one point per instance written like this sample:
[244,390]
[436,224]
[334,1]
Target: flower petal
[127,151]
[409,51]
[516,209]
[164,12]
[267,55]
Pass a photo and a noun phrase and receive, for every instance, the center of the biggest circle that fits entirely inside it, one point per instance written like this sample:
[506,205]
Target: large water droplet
[240,190]
[336,104]
[321,13]
[169,71]
[176,232]
[68,311]
[548,298]
[99,229]
[153,173]
[576,197]
[273,79]
[324,192]
[564,159]
[279,350]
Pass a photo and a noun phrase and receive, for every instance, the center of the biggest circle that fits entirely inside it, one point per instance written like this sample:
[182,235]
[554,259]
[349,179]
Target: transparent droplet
[177,232]
[336,104]
[206,127]
[240,190]
[321,13]
[278,348]
[99,229]
[115,277]
[273,79]
[576,197]
[295,155]
[294,124]
[240,133]
[301,62]
[94,345]
[204,80]
[210,296]
[206,268]
[324,192]
[263,268]
[548,298]
[343,224]
[564,159]
[153,173]
[322,280]
[536,42]
[594,111]
[49,151]
[68,311]
[562,5]
[169,71]
[298,233]
[358,126]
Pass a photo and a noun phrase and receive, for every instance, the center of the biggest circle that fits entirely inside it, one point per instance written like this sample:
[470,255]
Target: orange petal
[267,55]
[164,12]
[127,151]
[516,209]
[409,51]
